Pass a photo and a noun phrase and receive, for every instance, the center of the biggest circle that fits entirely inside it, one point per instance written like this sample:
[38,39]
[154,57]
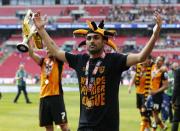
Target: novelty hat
[93,28]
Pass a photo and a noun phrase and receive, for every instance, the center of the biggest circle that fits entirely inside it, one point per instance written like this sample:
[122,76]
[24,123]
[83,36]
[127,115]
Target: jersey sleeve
[72,60]
[165,76]
[121,62]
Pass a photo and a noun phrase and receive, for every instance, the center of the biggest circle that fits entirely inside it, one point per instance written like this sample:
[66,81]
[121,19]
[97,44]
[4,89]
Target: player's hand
[158,20]
[39,21]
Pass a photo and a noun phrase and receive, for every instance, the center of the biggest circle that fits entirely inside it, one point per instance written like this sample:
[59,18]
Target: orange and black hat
[96,29]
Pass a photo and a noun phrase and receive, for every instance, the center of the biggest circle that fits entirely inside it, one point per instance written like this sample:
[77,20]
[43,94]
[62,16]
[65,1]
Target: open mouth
[92,46]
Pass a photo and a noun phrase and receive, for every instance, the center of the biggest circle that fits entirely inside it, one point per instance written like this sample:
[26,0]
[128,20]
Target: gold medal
[46,81]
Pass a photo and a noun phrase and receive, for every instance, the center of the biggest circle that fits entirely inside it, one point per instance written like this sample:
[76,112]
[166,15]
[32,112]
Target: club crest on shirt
[101,69]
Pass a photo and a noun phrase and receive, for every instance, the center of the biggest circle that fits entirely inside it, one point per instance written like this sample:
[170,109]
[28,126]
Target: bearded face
[159,61]
[95,43]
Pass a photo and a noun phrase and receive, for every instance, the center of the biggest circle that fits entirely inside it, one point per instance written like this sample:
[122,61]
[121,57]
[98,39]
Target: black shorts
[140,100]
[157,101]
[176,116]
[52,109]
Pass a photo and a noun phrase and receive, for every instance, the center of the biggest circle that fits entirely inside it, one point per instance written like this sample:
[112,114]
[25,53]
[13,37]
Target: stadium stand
[10,65]
[127,13]
[117,13]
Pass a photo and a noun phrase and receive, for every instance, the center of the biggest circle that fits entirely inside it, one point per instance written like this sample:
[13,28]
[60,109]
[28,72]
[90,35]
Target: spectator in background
[0,95]
[21,76]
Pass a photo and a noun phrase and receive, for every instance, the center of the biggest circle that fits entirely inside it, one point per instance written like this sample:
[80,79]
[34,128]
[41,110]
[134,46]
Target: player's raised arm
[141,56]
[34,55]
[52,47]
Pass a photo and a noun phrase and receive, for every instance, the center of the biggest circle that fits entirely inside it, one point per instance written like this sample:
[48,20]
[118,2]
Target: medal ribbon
[89,83]
[49,63]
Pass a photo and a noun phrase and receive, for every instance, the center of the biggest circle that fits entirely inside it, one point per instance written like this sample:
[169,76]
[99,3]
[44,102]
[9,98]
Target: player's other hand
[158,21]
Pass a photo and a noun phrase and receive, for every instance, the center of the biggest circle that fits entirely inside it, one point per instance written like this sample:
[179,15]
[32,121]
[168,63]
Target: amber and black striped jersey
[143,79]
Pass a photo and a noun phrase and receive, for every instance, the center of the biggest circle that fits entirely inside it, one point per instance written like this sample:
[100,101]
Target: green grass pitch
[24,117]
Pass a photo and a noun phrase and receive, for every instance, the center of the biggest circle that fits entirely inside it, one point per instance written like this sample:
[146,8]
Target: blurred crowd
[170,14]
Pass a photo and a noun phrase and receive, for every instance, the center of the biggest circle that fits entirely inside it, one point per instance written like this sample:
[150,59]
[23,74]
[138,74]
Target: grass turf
[24,117]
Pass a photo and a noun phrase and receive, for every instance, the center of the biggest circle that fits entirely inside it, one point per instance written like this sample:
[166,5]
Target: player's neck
[97,55]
